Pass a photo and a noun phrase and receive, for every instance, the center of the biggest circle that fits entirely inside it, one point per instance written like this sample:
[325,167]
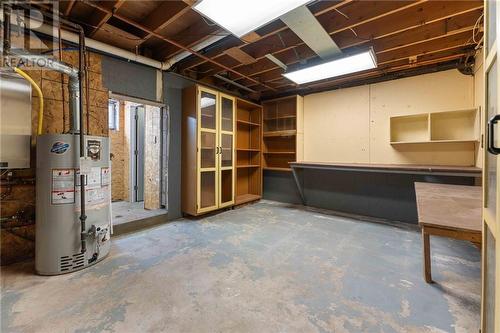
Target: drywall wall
[18,192]
[352,125]
[172,93]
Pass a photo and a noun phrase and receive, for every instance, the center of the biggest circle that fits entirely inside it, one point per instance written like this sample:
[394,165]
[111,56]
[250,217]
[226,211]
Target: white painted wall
[352,125]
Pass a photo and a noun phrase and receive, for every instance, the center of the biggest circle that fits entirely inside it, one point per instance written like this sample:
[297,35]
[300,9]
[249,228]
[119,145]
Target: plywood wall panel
[152,158]
[443,91]
[336,126]
[117,140]
[352,125]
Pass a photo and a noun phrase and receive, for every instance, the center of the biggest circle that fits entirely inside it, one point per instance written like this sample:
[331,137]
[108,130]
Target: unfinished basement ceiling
[405,35]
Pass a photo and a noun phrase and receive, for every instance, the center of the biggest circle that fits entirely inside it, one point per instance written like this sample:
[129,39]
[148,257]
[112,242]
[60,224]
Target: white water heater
[61,244]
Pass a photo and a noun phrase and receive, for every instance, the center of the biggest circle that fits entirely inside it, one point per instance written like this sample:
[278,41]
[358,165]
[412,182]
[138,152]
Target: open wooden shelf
[458,126]
[280,117]
[282,132]
[278,169]
[244,198]
[249,123]
[248,149]
[249,153]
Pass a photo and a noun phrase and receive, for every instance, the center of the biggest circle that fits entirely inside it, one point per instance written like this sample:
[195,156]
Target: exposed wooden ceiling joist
[100,18]
[166,13]
[276,28]
[170,41]
[426,31]
[403,22]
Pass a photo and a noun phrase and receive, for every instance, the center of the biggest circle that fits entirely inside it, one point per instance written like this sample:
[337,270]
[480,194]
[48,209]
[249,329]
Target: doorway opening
[138,132]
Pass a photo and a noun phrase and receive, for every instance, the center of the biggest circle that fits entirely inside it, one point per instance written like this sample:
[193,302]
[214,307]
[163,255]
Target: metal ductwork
[305,25]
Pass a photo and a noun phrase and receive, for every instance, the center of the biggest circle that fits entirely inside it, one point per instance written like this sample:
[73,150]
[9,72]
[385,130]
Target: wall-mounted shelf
[458,126]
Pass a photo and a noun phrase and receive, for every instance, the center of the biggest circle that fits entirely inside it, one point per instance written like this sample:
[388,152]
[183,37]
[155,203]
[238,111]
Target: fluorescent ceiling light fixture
[243,16]
[350,64]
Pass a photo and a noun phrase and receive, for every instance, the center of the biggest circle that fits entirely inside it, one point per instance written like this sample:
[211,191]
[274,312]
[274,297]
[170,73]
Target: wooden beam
[449,40]
[411,18]
[276,27]
[435,11]
[361,78]
[99,18]
[191,36]
[165,14]
[165,39]
[289,39]
[241,56]
[71,4]
[433,30]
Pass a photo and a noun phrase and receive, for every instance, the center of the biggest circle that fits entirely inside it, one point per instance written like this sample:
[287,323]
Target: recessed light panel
[243,16]
[342,66]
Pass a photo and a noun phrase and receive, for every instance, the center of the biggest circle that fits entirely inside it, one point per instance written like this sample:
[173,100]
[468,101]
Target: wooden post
[427,256]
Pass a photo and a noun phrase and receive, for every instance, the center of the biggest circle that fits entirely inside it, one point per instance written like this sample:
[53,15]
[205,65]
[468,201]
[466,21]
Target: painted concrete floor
[262,268]
[124,212]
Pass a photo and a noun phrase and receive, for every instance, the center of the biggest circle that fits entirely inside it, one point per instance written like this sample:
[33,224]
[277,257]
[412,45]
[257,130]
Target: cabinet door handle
[491,135]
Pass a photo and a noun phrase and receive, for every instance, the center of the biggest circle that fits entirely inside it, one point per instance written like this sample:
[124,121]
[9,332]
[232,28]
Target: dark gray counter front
[381,193]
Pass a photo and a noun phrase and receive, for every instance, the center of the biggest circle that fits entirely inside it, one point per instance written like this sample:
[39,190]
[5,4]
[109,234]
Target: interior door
[490,317]
[207,150]
[139,153]
[226,150]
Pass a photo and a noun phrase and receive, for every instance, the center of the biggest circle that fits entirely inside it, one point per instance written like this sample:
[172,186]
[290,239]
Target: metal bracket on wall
[299,186]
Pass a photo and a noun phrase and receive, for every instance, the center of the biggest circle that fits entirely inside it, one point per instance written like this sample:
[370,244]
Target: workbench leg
[427,256]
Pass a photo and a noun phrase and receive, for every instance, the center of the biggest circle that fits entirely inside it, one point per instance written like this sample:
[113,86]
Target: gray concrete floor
[124,212]
[265,267]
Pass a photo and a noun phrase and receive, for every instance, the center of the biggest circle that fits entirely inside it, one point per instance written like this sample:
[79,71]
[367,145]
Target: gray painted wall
[172,92]
[280,186]
[381,195]
[127,78]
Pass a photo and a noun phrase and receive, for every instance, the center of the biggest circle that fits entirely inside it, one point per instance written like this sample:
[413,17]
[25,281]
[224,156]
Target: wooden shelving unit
[436,127]
[283,132]
[248,152]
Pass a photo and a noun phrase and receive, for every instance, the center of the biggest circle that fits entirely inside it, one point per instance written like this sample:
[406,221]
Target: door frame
[138,153]
[491,223]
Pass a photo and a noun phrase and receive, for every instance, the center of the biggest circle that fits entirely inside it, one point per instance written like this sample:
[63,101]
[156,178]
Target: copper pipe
[149,31]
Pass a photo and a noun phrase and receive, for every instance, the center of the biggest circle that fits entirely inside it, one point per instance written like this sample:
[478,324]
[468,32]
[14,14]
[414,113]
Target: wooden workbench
[448,211]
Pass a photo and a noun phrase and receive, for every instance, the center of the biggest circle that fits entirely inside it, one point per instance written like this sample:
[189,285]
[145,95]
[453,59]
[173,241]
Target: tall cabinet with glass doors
[208,150]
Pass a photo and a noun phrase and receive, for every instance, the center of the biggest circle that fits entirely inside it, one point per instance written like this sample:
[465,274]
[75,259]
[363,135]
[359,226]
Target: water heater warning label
[63,186]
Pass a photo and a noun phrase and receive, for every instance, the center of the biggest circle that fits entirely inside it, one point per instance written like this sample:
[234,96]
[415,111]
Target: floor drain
[118,216]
